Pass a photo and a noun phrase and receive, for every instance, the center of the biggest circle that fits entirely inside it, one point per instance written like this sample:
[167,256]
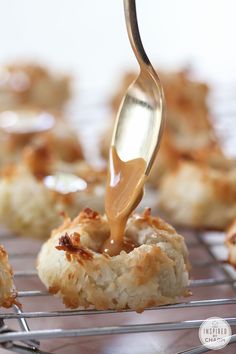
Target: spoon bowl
[140,118]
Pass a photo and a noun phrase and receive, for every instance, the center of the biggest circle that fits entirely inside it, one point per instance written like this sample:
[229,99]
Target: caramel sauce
[124,190]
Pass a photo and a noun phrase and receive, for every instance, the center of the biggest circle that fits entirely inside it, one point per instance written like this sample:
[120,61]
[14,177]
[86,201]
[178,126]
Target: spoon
[139,124]
[135,141]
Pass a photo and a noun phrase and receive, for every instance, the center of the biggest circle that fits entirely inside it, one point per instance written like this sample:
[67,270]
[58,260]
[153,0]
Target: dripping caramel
[124,190]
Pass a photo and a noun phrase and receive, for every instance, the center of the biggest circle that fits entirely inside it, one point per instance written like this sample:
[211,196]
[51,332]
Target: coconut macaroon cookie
[20,128]
[200,196]
[7,290]
[154,271]
[31,84]
[230,243]
[35,192]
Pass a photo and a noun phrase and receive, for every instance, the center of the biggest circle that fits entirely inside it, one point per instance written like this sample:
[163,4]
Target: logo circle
[215,333]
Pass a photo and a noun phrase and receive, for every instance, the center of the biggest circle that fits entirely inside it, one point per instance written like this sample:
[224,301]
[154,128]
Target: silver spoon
[140,118]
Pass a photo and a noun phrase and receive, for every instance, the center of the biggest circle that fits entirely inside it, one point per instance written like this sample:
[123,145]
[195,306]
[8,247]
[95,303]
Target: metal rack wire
[25,340]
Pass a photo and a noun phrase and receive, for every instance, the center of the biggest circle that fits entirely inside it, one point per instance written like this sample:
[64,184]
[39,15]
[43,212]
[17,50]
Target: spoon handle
[134,34]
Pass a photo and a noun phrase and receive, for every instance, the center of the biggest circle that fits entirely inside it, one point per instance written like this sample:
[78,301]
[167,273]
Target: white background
[88,37]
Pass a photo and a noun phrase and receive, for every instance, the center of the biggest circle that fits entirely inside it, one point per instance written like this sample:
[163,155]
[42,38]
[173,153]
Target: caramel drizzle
[124,190]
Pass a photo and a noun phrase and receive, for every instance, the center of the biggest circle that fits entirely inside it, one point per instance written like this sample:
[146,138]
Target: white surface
[88,37]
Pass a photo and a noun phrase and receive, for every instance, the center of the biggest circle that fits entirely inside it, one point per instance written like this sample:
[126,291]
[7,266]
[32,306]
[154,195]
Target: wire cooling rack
[24,340]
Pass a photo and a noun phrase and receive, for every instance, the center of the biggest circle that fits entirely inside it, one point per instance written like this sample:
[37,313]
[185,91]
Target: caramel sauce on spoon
[124,190]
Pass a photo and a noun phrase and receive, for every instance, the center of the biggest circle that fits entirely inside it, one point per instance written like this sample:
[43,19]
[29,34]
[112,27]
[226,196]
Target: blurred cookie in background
[32,84]
[230,243]
[19,128]
[188,129]
[36,192]
[198,195]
